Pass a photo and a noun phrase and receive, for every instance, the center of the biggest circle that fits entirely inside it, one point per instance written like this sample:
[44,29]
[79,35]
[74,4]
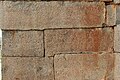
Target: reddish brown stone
[88,66]
[78,40]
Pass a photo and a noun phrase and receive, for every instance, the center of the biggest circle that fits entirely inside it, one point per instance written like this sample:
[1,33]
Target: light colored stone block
[27,68]
[117,66]
[117,38]
[111,15]
[54,14]
[116,1]
[22,43]
[78,40]
[89,66]
[117,14]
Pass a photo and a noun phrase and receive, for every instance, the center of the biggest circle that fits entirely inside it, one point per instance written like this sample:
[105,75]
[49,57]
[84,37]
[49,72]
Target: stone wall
[60,40]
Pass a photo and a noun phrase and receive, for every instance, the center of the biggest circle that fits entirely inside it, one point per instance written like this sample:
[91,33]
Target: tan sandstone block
[117,38]
[84,66]
[78,40]
[22,43]
[117,66]
[54,14]
[27,68]
[111,15]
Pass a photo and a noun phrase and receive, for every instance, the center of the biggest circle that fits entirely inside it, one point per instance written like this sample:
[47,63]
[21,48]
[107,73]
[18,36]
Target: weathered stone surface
[117,66]
[104,0]
[58,0]
[117,38]
[21,68]
[54,14]
[117,14]
[84,66]
[78,40]
[1,14]
[111,15]
[22,43]
[116,1]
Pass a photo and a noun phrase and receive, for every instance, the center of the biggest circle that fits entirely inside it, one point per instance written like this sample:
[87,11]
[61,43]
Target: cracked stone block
[22,43]
[78,40]
[27,68]
[111,15]
[93,66]
[117,66]
[26,15]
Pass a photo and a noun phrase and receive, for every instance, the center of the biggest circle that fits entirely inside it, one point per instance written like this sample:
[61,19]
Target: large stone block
[117,66]
[117,14]
[111,15]
[54,14]
[117,38]
[78,40]
[27,68]
[89,66]
[22,43]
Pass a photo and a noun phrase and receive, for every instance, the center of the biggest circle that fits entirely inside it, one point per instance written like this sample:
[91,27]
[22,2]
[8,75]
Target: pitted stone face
[87,66]
[78,40]
[118,14]
[60,40]
[111,15]
[27,68]
[54,14]
[23,43]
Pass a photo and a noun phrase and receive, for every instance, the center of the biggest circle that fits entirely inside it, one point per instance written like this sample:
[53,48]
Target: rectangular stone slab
[22,43]
[118,13]
[78,40]
[25,15]
[87,66]
[117,66]
[111,15]
[27,68]
[117,38]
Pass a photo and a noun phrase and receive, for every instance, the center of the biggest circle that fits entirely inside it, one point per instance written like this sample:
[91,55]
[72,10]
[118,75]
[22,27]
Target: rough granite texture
[27,68]
[55,14]
[117,14]
[89,66]
[22,43]
[62,0]
[111,15]
[117,66]
[60,40]
[78,40]
[117,38]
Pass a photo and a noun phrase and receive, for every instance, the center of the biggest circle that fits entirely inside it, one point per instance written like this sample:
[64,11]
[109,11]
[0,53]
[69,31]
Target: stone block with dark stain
[78,40]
